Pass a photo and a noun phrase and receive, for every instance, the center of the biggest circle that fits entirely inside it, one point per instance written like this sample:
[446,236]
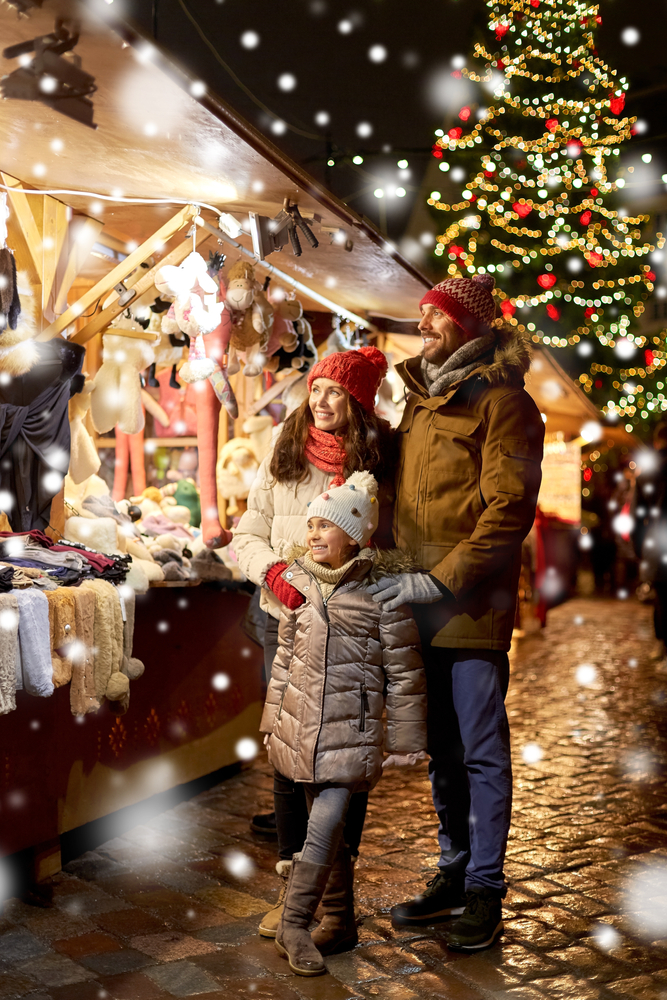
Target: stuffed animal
[237,467]
[298,349]
[169,352]
[83,698]
[339,340]
[252,319]
[116,392]
[62,628]
[196,310]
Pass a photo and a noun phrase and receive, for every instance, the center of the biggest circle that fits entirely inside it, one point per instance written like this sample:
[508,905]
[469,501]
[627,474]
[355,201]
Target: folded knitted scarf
[439,378]
[9,610]
[34,646]
[325,452]
[327,578]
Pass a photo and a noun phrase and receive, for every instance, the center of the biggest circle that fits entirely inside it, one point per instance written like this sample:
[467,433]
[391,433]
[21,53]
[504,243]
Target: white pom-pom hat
[353,506]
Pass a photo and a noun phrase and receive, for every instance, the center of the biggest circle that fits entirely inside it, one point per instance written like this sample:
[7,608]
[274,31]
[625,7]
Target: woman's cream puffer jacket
[274,522]
[337,665]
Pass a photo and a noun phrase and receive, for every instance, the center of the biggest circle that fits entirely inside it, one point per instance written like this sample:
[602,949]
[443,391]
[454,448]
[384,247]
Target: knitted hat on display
[360,372]
[469,302]
[353,506]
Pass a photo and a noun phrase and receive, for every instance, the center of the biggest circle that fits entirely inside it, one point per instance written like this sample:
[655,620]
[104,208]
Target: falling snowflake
[531,753]
[239,864]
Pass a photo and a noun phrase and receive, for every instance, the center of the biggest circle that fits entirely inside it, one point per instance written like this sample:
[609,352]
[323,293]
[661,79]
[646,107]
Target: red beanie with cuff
[360,372]
[469,301]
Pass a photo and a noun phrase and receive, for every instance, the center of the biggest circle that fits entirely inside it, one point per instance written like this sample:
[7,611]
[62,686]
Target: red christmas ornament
[456,250]
[501,30]
[552,312]
[551,124]
[464,113]
[437,152]
[594,192]
[575,64]
[546,280]
[500,64]
[598,383]
[649,357]
[456,74]
[455,133]
[590,312]
[522,210]
[507,309]
[574,148]
[586,218]
[616,104]
[489,173]
[594,259]
[598,19]
[650,275]
[588,475]
[534,3]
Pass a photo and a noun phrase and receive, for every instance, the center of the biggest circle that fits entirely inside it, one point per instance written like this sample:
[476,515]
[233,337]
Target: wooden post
[223,438]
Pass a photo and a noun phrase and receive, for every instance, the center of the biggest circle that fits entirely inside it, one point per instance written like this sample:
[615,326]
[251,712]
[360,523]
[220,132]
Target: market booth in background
[139,387]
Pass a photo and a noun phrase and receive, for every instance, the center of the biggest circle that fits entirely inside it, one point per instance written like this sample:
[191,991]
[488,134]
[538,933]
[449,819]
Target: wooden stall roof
[155,140]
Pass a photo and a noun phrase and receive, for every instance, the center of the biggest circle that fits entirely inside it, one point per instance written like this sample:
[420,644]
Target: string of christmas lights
[540,206]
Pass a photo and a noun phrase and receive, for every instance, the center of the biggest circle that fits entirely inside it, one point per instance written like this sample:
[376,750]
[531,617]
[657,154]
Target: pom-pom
[486,280]
[363,481]
[377,357]
[325,496]
[352,486]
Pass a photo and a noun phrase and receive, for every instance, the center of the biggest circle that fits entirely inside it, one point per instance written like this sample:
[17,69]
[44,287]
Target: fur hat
[360,372]
[352,506]
[469,302]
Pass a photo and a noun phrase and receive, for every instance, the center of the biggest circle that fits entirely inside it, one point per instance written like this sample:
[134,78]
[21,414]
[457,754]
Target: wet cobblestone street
[170,909]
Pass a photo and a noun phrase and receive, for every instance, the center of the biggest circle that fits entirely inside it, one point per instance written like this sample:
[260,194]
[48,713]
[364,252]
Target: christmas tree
[541,208]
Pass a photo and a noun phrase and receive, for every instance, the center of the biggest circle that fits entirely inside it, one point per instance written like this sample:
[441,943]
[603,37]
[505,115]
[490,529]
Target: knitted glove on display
[405,588]
[284,591]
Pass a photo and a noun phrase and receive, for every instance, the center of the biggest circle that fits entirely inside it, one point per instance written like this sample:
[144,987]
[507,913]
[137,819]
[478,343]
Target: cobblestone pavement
[170,909]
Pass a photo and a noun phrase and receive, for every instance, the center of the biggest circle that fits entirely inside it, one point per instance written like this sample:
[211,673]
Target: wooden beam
[143,285]
[121,271]
[83,233]
[54,236]
[19,203]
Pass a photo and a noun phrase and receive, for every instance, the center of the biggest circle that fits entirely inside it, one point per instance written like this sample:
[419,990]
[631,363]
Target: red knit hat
[468,301]
[360,372]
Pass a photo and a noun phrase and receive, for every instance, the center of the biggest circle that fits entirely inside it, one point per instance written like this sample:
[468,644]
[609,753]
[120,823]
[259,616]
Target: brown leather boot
[337,931]
[306,884]
[270,920]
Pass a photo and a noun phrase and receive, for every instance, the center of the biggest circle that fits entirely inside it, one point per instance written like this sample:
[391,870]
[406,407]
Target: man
[467,487]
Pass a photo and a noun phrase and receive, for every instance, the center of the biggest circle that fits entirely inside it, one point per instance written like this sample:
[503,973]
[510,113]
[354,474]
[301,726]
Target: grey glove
[406,588]
[404,759]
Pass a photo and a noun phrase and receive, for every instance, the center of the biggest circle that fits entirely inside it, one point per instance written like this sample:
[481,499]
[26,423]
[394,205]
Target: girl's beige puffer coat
[337,665]
[273,524]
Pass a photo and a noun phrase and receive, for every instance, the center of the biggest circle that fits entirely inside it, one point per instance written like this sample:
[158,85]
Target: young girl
[340,659]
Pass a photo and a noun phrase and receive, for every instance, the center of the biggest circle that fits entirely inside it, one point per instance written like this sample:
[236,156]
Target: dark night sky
[335,74]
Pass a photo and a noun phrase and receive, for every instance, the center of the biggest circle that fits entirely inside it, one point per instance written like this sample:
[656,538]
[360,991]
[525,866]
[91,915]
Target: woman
[334,433]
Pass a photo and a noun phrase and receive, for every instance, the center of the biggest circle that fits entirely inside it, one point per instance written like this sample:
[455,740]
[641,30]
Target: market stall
[148,348]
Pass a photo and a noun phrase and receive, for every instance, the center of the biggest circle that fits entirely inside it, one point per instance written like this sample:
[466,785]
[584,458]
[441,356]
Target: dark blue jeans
[470,767]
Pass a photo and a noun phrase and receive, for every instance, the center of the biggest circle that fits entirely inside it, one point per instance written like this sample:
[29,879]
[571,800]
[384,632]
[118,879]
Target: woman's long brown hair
[370,444]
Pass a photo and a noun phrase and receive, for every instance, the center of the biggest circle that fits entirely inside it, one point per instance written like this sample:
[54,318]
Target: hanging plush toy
[237,468]
[252,320]
[18,351]
[116,393]
[196,310]
[300,352]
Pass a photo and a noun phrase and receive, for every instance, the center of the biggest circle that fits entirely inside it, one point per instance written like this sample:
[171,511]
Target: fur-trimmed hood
[511,359]
[383,562]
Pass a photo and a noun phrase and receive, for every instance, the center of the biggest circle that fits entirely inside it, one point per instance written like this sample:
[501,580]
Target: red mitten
[283,590]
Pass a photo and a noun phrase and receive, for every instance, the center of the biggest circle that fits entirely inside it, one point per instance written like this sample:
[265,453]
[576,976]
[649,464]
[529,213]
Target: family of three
[391,651]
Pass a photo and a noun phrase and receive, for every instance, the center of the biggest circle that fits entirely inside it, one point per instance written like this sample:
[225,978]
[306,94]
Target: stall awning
[155,140]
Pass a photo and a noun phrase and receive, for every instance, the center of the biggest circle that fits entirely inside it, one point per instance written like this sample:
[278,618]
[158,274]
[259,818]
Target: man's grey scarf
[438,378]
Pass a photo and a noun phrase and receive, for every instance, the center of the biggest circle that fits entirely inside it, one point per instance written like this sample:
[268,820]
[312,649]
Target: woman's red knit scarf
[324,451]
